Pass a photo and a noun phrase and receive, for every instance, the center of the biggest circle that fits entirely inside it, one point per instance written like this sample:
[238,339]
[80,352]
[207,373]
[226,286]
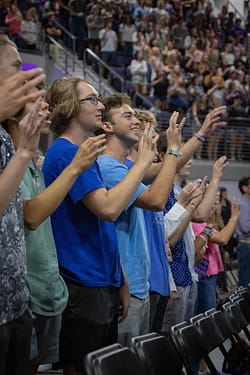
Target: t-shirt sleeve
[86,181]
[26,193]
[113,172]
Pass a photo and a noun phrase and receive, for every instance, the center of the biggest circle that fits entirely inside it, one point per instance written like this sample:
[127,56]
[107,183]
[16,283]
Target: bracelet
[199,137]
[207,230]
[173,152]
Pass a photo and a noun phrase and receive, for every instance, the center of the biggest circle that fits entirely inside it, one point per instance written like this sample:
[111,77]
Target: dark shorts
[89,322]
[45,339]
[15,338]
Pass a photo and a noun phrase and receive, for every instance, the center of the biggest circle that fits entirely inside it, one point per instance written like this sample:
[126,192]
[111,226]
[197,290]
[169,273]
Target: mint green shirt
[48,292]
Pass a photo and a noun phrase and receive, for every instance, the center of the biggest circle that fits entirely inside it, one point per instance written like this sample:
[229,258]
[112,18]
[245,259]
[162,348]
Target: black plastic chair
[236,362]
[191,348]
[214,339]
[113,360]
[157,354]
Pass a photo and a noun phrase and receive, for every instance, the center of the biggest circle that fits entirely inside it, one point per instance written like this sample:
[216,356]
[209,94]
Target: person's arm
[37,209]
[172,286]
[211,122]
[223,236]
[155,197]
[193,193]
[29,133]
[124,298]
[109,204]
[195,113]
[203,210]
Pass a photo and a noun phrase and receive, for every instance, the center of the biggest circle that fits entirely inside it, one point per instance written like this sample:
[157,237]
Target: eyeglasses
[92,100]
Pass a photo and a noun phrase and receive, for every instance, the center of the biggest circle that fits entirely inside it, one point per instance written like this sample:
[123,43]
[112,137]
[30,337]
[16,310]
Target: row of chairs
[225,330]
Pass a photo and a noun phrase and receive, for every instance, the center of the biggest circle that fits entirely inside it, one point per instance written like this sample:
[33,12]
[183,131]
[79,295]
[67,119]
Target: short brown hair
[63,100]
[144,115]
[114,101]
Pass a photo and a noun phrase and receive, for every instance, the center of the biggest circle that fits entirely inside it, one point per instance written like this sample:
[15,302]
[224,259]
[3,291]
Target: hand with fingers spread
[15,91]
[212,121]
[218,167]
[185,194]
[174,132]
[30,127]
[147,146]
[192,194]
[88,152]
[199,188]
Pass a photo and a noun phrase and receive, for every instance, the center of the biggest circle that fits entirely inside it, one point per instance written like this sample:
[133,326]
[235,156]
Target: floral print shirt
[13,290]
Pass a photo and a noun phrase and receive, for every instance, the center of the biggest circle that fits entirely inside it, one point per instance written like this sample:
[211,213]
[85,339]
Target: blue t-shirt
[130,229]
[179,264]
[87,247]
[159,277]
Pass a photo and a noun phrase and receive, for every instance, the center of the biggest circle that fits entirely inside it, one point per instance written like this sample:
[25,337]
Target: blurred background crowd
[190,56]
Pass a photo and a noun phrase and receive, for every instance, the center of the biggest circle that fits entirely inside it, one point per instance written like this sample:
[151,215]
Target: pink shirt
[215,265]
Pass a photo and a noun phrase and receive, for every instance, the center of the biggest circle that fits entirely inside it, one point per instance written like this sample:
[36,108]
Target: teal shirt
[48,292]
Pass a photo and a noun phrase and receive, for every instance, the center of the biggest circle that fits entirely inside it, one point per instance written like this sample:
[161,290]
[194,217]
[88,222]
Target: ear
[107,127]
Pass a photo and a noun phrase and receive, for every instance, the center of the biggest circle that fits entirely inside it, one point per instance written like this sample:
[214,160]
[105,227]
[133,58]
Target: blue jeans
[206,293]
[243,255]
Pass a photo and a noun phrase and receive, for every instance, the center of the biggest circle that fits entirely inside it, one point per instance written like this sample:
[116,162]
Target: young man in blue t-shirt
[82,225]
[122,129]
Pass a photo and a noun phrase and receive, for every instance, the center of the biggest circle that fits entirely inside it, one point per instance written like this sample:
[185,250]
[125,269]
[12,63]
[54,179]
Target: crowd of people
[184,55]
[108,241]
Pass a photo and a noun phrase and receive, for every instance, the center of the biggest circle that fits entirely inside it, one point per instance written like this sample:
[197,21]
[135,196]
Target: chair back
[113,360]
[157,354]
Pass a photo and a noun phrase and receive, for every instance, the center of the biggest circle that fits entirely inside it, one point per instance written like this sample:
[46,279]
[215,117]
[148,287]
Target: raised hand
[30,127]
[185,194]
[201,186]
[218,167]
[194,192]
[16,91]
[147,146]
[88,152]
[174,132]
[212,121]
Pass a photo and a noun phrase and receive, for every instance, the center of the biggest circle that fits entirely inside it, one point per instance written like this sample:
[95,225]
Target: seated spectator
[13,21]
[139,70]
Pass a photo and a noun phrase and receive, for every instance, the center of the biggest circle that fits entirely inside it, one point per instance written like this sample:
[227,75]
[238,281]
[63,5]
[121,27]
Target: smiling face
[125,125]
